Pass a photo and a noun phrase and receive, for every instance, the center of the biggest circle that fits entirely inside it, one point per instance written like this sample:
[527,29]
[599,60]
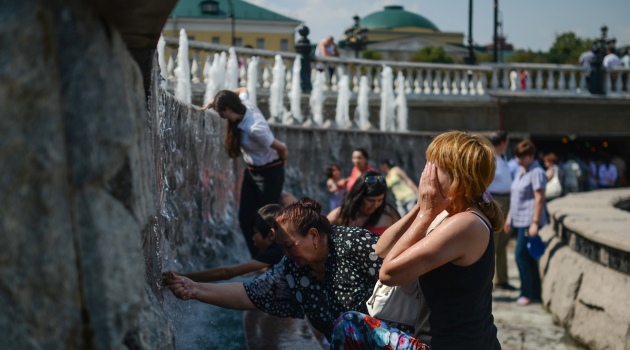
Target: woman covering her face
[454,263]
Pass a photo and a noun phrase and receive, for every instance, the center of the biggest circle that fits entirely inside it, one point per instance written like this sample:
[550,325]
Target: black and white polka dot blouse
[287,290]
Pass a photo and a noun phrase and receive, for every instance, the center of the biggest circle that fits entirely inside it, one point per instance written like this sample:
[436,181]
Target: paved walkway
[519,327]
[525,327]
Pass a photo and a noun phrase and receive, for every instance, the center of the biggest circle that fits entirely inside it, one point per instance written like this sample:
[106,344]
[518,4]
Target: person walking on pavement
[500,190]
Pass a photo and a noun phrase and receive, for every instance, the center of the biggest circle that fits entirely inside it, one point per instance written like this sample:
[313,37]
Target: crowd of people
[448,233]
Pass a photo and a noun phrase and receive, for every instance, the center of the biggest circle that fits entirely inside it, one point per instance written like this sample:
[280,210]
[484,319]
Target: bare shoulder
[333,216]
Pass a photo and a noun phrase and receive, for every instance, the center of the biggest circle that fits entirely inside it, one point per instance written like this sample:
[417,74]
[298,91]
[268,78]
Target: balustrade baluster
[528,82]
[618,82]
[472,83]
[409,82]
[355,79]
[242,74]
[437,82]
[428,81]
[368,71]
[288,78]
[446,83]
[550,83]
[170,66]
[333,81]
[206,68]
[417,85]
[505,83]
[494,80]
[583,88]
[456,83]
[539,80]
[608,79]
[266,77]
[377,80]
[482,83]
[572,82]
[194,68]
[514,80]
[463,88]
[561,82]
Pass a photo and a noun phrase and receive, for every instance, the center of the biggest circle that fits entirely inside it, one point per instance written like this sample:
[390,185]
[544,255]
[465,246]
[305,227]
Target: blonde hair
[469,161]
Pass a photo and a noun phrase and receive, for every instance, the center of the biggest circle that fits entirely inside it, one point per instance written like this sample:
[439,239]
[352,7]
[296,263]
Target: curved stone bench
[586,267]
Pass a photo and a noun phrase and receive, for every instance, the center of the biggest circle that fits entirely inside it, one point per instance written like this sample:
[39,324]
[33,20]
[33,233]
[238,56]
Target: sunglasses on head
[373,179]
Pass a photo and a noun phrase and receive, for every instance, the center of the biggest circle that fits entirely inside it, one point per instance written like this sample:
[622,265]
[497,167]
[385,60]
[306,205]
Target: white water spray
[252,78]
[295,95]
[231,75]
[276,92]
[182,72]
[387,100]
[317,98]
[363,109]
[401,104]
[342,117]
[162,61]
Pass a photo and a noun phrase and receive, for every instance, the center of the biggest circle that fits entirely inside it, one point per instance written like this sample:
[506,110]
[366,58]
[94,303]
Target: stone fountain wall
[104,187]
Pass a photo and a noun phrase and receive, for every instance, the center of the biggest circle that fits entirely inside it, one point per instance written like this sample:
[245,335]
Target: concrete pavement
[525,327]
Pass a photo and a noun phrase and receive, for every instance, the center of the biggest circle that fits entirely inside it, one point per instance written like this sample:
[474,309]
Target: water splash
[342,117]
[276,92]
[252,78]
[401,104]
[387,100]
[182,72]
[162,61]
[317,98]
[363,109]
[216,76]
[295,95]
[231,75]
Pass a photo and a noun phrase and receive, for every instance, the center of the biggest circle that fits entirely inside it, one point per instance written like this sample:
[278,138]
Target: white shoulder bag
[400,304]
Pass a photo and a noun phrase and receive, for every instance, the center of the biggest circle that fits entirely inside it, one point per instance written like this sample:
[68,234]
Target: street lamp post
[495,56]
[232,17]
[356,37]
[598,73]
[470,56]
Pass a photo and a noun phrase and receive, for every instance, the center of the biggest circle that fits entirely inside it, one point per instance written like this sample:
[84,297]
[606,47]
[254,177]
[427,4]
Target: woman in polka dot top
[327,271]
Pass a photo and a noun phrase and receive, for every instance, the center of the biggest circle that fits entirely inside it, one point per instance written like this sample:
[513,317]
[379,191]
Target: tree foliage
[432,54]
[567,48]
[370,54]
[527,56]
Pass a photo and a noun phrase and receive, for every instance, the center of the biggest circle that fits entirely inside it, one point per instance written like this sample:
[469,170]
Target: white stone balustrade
[422,80]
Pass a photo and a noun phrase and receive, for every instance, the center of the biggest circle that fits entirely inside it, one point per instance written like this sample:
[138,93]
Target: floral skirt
[355,330]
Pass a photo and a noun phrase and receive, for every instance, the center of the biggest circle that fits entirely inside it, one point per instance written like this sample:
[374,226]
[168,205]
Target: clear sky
[529,24]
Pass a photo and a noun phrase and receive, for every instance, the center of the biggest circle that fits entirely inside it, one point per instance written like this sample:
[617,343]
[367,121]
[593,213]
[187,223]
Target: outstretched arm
[226,295]
[222,272]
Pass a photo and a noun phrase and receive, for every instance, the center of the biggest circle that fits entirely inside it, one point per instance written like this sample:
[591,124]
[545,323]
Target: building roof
[396,16]
[242,10]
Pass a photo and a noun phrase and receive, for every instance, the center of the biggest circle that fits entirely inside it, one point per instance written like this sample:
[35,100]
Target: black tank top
[456,304]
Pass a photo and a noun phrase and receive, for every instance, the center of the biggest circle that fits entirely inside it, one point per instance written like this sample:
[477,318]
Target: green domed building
[397,33]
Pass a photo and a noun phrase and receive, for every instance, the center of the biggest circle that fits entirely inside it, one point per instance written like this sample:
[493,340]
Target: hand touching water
[182,287]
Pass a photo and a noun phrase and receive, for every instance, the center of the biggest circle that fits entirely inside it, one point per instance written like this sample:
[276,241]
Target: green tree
[522,56]
[371,55]
[567,48]
[485,57]
[432,54]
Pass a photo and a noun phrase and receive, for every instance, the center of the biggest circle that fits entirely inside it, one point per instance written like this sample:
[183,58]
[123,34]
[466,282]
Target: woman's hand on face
[430,196]
[182,287]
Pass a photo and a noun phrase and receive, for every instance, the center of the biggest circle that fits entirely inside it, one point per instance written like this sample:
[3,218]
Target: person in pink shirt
[360,161]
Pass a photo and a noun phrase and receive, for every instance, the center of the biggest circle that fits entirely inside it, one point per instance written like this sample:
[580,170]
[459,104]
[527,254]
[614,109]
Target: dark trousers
[527,266]
[501,240]
[260,187]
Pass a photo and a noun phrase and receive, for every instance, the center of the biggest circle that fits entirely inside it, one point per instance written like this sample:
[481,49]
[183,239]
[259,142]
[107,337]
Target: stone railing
[421,79]
[586,267]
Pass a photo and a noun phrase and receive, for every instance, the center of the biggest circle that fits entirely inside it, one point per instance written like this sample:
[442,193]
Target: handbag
[400,304]
[536,247]
[553,188]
